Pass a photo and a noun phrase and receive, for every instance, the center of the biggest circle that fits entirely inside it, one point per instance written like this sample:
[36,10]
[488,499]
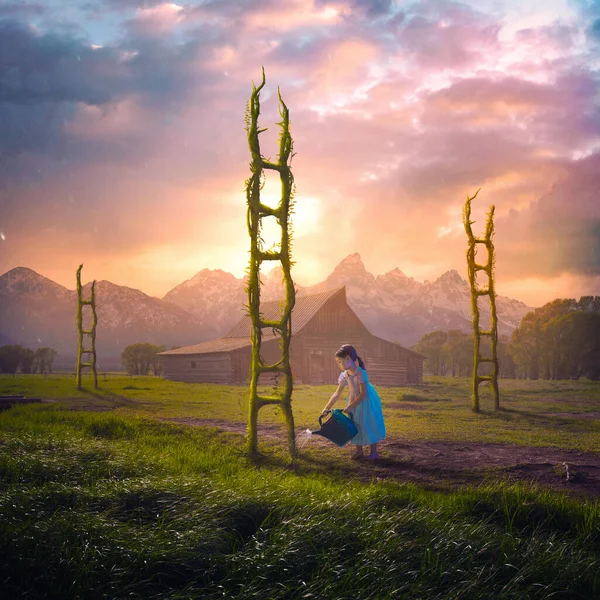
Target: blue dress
[368,414]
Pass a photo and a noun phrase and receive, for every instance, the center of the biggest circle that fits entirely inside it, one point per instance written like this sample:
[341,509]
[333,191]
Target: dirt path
[437,464]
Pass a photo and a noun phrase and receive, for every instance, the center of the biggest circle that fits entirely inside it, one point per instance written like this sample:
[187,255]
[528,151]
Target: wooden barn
[321,323]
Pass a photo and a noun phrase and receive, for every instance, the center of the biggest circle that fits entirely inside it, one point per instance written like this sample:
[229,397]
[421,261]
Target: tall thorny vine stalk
[91,332]
[488,268]
[256,211]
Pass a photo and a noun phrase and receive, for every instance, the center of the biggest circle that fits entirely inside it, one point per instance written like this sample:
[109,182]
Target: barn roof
[305,308]
[220,345]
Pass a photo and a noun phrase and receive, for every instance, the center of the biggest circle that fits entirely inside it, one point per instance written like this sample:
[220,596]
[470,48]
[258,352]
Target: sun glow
[305,215]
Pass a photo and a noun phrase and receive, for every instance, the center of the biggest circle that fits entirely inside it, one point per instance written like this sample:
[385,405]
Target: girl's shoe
[373,456]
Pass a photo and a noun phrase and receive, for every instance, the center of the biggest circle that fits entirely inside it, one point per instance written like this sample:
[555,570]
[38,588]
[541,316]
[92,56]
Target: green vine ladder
[488,268]
[91,332]
[256,211]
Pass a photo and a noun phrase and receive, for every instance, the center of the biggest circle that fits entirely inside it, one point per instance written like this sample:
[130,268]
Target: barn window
[193,364]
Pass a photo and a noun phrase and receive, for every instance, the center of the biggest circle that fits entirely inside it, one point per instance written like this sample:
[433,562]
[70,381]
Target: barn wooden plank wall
[313,361]
[386,371]
[210,368]
[316,365]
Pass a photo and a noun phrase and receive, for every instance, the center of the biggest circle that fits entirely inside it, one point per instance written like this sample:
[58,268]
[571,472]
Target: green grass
[438,410]
[115,503]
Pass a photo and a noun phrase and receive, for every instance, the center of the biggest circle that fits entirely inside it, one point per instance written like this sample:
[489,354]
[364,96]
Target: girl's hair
[348,350]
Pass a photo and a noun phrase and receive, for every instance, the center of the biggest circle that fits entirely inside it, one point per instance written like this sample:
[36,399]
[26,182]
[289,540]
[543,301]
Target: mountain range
[36,311]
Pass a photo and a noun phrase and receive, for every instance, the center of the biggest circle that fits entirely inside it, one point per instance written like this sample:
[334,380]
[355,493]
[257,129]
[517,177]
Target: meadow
[135,491]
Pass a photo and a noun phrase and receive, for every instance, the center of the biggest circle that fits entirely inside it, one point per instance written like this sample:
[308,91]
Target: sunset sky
[123,144]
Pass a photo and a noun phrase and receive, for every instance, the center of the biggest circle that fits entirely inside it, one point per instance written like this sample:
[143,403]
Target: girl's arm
[334,398]
[361,396]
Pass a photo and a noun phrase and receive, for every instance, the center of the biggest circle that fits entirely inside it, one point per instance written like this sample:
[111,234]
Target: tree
[14,356]
[590,348]
[431,345]
[457,353]
[156,363]
[44,360]
[138,358]
[589,304]
[10,357]
[27,360]
[552,342]
[555,335]
[506,364]
[526,346]
[581,345]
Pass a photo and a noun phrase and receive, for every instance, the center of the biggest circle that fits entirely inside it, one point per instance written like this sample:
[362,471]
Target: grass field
[109,501]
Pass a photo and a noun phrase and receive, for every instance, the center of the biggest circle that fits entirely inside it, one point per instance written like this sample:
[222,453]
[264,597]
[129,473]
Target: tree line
[14,357]
[141,359]
[137,359]
[560,340]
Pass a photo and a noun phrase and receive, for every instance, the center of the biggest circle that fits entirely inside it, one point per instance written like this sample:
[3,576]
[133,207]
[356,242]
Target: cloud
[49,67]
[558,233]
[438,35]
[395,118]
[18,9]
[587,7]
[560,114]
[370,8]
[156,20]
[590,11]
[51,85]
[97,6]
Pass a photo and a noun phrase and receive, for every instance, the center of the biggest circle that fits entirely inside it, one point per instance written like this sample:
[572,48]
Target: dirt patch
[426,462]
[437,464]
[574,415]
[406,406]
[95,404]
[75,403]
[272,431]
[583,402]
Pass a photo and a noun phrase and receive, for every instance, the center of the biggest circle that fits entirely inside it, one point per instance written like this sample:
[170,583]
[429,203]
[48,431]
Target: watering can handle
[321,417]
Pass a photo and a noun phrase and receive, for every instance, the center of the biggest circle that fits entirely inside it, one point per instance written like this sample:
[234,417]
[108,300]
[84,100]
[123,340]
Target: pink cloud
[442,35]
[157,20]
[391,132]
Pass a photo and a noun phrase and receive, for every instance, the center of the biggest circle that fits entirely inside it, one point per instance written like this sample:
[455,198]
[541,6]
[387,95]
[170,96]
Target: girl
[363,401]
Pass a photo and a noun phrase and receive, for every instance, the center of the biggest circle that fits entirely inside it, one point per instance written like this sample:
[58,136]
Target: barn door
[316,367]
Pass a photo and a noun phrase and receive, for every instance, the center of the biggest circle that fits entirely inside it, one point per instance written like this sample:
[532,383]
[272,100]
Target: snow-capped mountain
[393,306]
[213,297]
[38,312]
[396,307]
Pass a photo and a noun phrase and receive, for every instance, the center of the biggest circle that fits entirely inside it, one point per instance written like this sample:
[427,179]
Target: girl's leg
[374,453]
[358,453]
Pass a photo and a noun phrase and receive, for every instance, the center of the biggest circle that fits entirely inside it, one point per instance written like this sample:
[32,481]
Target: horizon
[122,141]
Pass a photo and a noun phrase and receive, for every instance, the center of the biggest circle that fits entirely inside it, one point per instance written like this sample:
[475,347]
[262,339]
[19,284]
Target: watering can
[339,428]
